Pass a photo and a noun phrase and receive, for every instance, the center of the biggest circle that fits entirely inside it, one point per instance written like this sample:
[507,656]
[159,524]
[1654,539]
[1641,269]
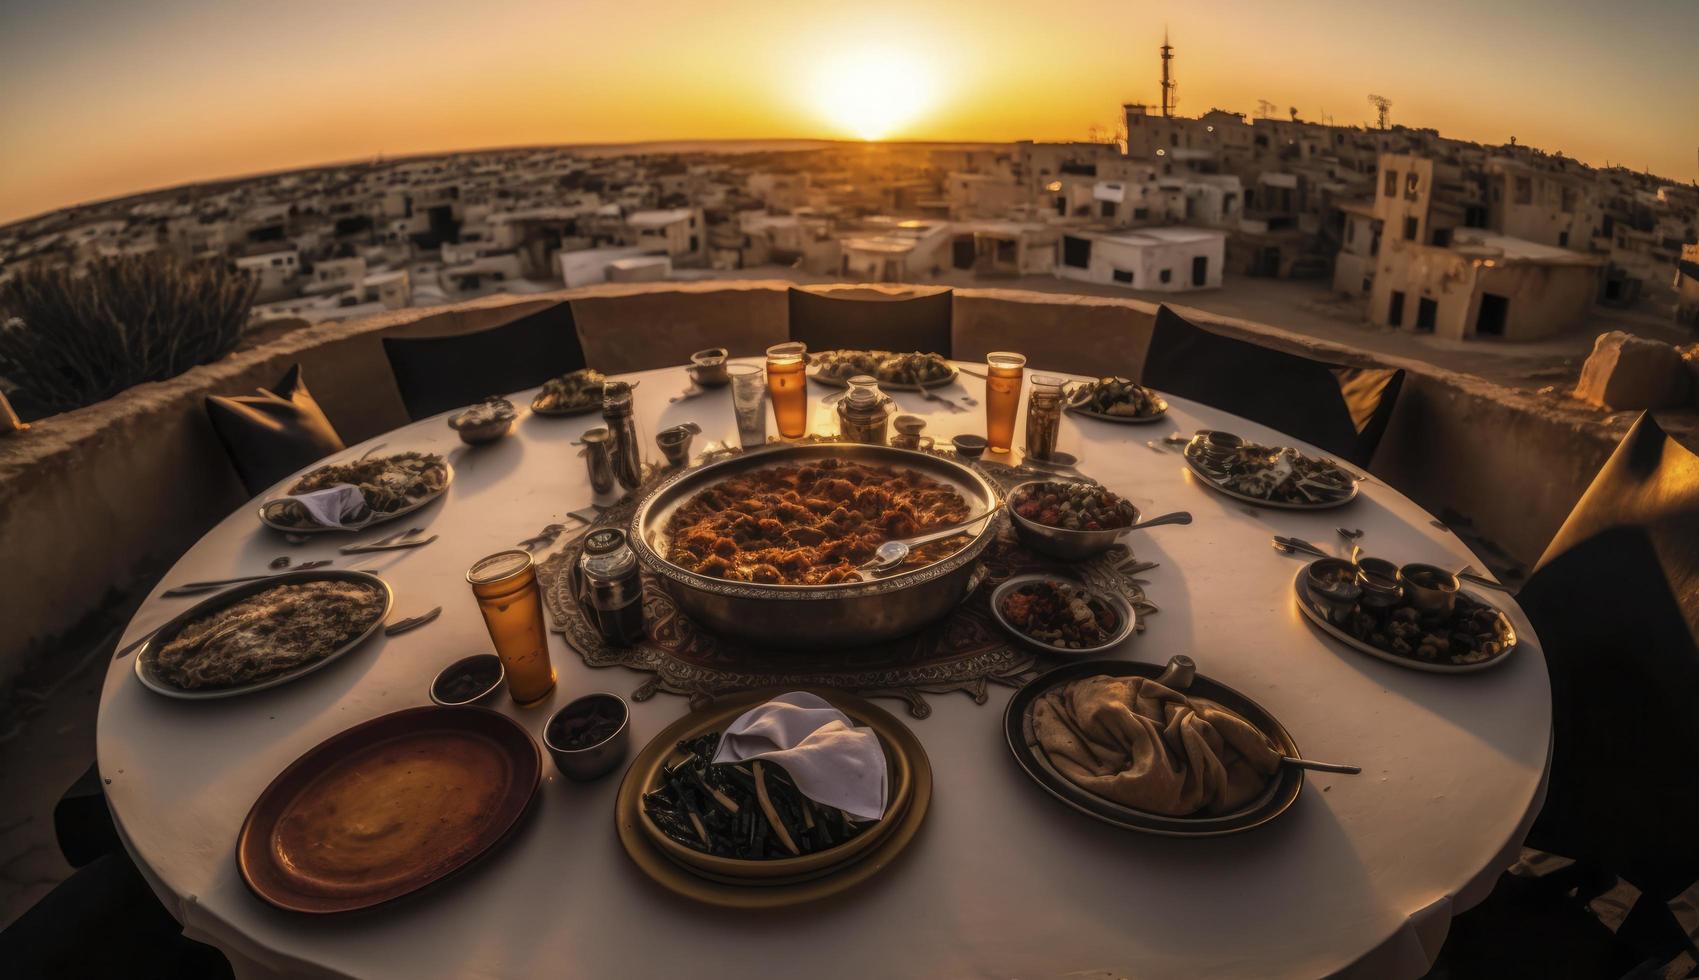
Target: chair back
[1343,410]
[1624,671]
[834,321]
[436,374]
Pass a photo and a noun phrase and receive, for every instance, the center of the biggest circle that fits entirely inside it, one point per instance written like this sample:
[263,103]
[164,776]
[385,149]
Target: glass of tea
[749,402]
[505,585]
[1004,371]
[787,385]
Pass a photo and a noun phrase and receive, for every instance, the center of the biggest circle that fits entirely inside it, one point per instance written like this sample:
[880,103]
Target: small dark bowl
[588,762]
[708,368]
[969,446]
[1217,446]
[1430,589]
[478,432]
[444,694]
[1334,584]
[1383,584]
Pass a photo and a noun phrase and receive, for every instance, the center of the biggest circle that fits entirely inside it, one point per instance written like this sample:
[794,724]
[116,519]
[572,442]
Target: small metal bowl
[1430,589]
[1217,446]
[439,686]
[969,446]
[1335,585]
[708,368]
[1382,582]
[591,761]
[1127,618]
[484,422]
[1060,542]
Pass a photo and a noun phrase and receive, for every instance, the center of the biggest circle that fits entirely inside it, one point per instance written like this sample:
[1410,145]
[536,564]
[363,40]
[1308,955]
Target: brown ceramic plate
[663,750]
[732,892]
[388,807]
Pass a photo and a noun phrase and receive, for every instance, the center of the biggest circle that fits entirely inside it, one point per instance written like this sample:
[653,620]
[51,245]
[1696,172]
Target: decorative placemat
[962,652]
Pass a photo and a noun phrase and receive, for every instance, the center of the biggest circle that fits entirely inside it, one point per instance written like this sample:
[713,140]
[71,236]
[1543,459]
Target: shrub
[72,338]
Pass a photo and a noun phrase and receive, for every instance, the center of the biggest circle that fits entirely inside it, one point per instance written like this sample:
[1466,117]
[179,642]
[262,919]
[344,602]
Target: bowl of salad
[1061,617]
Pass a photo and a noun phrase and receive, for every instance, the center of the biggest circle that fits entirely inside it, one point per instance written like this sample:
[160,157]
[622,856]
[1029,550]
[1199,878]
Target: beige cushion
[654,328]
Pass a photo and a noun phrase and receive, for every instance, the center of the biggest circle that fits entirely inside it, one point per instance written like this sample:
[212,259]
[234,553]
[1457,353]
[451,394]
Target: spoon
[1178,517]
[893,553]
[1321,766]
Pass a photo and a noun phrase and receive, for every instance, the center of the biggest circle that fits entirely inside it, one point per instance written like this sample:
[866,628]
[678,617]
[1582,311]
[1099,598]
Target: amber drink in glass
[787,385]
[505,585]
[1004,371]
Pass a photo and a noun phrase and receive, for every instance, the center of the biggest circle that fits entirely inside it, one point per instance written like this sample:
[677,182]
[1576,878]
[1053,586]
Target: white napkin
[335,506]
[832,762]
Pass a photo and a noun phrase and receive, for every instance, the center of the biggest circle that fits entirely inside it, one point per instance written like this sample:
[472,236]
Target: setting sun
[872,92]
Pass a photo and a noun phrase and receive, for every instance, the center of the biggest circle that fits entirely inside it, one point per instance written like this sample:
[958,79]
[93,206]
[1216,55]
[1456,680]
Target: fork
[196,588]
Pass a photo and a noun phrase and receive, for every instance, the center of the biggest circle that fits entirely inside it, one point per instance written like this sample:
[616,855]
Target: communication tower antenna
[1170,88]
[1381,104]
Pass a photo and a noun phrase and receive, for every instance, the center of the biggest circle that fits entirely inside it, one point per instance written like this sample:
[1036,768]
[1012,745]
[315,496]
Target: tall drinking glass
[749,402]
[505,585]
[1003,373]
[787,383]
[1044,416]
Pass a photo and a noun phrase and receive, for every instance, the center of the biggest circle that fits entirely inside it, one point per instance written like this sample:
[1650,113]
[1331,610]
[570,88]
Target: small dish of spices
[589,737]
[468,680]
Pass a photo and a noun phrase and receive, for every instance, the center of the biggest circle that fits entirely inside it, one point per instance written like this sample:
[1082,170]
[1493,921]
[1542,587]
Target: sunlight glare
[872,92]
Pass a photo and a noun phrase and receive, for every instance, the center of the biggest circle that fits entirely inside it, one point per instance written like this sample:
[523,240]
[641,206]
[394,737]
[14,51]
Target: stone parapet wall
[98,502]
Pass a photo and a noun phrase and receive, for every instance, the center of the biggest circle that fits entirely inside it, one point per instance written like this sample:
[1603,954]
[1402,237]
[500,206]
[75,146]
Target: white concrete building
[678,233]
[589,266]
[1168,260]
[1482,285]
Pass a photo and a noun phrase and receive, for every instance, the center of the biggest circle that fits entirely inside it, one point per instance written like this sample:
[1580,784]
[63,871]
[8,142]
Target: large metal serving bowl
[810,617]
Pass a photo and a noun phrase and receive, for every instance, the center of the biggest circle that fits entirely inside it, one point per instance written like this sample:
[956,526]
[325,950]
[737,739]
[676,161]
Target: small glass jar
[864,412]
[612,586]
[1044,416]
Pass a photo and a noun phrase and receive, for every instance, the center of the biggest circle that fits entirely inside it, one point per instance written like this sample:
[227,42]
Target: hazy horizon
[111,100]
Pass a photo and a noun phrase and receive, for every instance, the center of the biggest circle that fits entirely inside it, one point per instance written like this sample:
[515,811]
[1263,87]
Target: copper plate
[388,807]
[1281,793]
[663,749]
[790,890]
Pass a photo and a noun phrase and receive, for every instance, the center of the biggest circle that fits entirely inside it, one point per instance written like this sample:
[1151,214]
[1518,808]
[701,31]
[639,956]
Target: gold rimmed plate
[738,883]
[1277,797]
[1072,401]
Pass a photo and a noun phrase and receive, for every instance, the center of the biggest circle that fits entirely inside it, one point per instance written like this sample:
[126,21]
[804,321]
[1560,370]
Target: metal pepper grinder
[626,450]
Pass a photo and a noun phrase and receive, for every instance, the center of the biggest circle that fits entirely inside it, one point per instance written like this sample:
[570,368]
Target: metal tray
[473,744]
[448,481]
[1281,793]
[1071,394]
[831,382]
[714,889]
[1129,618]
[1211,482]
[146,655]
[1318,616]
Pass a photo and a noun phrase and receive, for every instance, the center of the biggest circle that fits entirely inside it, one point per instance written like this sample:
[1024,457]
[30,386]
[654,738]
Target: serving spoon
[893,553]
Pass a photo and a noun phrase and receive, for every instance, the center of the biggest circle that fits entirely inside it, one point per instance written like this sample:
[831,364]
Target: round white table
[1360,877]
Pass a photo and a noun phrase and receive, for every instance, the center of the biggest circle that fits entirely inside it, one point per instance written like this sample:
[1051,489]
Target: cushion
[869,320]
[1343,410]
[438,374]
[274,433]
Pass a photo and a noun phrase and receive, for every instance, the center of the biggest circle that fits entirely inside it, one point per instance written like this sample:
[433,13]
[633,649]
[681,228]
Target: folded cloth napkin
[1138,743]
[831,761]
[338,505]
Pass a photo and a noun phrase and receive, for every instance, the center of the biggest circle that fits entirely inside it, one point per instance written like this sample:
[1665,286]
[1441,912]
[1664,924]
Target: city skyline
[123,99]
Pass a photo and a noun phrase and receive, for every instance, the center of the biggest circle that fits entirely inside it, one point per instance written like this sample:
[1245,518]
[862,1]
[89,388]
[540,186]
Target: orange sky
[106,98]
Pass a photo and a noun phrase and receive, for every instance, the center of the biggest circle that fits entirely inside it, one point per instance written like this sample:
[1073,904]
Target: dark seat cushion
[871,321]
[274,433]
[1343,410]
[436,374]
